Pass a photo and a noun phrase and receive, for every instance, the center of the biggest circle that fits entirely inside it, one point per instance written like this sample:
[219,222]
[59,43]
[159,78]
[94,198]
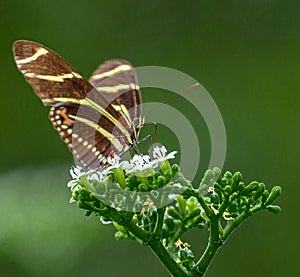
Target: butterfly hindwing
[116,79]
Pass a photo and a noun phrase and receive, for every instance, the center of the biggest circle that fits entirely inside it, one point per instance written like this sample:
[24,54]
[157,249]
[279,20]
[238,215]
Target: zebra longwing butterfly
[96,118]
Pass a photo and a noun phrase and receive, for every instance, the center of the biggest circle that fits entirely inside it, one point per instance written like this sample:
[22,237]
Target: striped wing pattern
[114,79]
[91,121]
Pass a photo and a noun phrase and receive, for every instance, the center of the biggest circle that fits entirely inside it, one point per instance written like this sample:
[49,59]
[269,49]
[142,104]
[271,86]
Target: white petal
[125,165]
[114,161]
[171,155]
[97,176]
[146,158]
[110,160]
[75,171]
[117,159]
[159,152]
[71,183]
[137,160]
[72,200]
[177,185]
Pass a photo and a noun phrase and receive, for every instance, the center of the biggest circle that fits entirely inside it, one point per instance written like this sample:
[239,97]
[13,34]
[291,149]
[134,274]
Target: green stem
[160,222]
[215,241]
[166,259]
[176,236]
[207,210]
[212,247]
[159,250]
[238,221]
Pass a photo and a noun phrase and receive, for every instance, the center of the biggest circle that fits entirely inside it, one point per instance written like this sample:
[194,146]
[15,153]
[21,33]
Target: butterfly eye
[136,122]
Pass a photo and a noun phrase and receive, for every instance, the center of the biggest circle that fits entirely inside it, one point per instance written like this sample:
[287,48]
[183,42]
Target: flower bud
[215,199]
[119,235]
[228,175]
[241,186]
[232,208]
[161,181]
[168,174]
[216,172]
[170,223]
[181,205]
[173,213]
[274,209]
[192,204]
[237,177]
[264,196]
[251,187]
[143,187]
[175,169]
[218,186]
[145,222]
[223,182]
[258,193]
[195,213]
[275,192]
[83,205]
[227,189]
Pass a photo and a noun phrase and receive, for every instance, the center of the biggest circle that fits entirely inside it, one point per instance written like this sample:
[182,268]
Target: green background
[246,54]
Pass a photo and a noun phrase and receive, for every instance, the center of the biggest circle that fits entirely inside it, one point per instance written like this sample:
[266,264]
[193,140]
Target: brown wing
[116,80]
[48,74]
[83,117]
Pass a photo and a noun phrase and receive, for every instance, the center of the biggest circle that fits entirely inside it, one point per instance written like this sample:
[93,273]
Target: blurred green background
[246,53]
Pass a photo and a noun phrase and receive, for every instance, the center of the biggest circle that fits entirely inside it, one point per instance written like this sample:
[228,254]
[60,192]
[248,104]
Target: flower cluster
[148,200]
[77,172]
[141,162]
[139,165]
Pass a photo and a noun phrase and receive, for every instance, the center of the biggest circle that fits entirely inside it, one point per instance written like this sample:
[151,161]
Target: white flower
[72,200]
[139,162]
[146,158]
[172,196]
[159,155]
[76,173]
[159,152]
[115,163]
[103,221]
[177,185]
[95,175]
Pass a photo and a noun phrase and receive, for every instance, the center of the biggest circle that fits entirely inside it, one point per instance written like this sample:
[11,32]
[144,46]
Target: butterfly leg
[152,138]
[154,132]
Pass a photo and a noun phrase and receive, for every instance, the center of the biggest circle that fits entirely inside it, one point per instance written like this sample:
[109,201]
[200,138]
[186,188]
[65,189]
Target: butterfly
[96,118]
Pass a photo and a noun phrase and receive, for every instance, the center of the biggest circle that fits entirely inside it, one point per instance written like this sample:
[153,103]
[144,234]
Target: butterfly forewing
[91,126]
[49,75]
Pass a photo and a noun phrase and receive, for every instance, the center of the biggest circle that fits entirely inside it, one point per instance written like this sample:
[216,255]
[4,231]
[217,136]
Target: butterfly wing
[81,115]
[48,74]
[117,81]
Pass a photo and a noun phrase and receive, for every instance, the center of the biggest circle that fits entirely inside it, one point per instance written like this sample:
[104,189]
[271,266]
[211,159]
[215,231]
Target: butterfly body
[96,118]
